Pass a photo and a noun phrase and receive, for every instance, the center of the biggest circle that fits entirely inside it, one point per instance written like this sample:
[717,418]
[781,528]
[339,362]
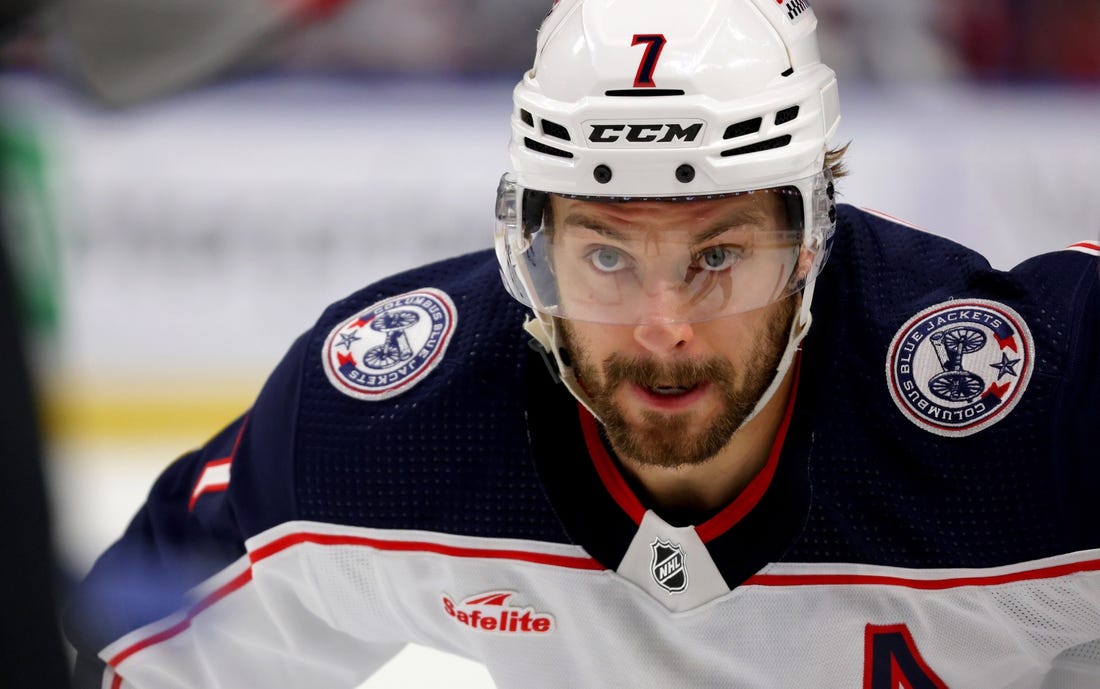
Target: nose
[662,329]
[663,337]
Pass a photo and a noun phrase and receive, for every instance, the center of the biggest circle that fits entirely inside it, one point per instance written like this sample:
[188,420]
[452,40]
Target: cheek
[740,338]
[730,335]
[590,344]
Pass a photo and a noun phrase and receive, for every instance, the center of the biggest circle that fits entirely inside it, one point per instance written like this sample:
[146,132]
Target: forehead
[761,207]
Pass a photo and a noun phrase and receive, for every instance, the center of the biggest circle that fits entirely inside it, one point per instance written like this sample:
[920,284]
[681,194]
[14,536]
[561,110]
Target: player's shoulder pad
[874,249]
[1070,275]
[1079,254]
[417,332]
[906,292]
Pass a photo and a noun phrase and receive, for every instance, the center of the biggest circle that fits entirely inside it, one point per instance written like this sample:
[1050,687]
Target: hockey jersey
[412,473]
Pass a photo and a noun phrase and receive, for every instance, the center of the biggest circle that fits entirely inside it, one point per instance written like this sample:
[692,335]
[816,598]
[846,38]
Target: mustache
[681,374]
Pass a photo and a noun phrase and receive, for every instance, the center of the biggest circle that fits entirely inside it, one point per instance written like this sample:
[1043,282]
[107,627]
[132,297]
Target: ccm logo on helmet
[676,134]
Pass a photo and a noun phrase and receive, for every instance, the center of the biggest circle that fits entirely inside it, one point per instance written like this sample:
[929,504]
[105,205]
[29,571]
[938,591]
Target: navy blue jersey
[412,473]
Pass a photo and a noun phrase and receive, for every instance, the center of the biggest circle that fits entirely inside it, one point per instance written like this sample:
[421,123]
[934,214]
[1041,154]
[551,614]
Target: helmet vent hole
[526,117]
[766,145]
[555,130]
[786,115]
[743,128]
[685,173]
[787,72]
[543,148]
[602,174]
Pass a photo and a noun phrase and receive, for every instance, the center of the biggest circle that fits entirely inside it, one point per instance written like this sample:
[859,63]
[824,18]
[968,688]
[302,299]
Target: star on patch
[1006,367]
[346,339]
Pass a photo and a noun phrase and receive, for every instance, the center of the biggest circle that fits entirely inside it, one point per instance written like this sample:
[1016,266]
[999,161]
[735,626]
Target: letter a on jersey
[893,661]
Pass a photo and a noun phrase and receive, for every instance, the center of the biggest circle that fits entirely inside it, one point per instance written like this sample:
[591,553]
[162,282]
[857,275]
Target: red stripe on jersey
[1087,247]
[609,474]
[163,635]
[899,221]
[751,495]
[204,485]
[1051,572]
[291,540]
[568,561]
[617,486]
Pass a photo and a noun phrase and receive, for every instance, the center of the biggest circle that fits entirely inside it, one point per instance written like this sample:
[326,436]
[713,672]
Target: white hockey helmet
[654,100]
[650,99]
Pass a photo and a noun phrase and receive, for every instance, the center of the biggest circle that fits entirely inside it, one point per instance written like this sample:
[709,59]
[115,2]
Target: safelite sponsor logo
[491,612]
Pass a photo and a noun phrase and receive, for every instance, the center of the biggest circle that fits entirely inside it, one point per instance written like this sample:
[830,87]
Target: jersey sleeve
[1075,668]
[1080,406]
[174,603]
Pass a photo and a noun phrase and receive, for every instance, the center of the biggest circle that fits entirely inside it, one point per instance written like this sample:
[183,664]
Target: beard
[668,440]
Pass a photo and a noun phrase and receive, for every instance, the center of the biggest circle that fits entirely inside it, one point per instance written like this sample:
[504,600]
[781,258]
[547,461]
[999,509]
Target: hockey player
[637,464]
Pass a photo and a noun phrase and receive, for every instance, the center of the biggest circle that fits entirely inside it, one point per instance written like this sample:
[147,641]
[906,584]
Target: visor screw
[602,173]
[685,173]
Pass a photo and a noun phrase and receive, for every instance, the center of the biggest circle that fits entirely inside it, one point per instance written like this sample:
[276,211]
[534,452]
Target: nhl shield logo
[668,566]
[960,366]
[388,348]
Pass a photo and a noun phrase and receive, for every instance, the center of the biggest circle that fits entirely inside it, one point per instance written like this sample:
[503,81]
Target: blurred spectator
[153,51]
[13,13]
[885,39]
[1028,39]
[31,650]
[437,36]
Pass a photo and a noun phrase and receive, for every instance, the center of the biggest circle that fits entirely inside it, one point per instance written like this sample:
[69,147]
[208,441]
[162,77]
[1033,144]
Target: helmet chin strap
[547,332]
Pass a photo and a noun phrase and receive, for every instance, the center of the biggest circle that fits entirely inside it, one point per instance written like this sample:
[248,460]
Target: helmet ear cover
[536,208]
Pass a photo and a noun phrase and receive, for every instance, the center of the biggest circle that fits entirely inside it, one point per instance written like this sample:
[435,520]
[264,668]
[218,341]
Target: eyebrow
[726,223]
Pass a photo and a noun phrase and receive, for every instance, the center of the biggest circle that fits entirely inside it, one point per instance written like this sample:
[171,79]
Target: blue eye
[606,259]
[716,258]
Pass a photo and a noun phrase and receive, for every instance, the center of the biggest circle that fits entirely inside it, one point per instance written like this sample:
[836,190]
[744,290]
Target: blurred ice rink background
[175,230]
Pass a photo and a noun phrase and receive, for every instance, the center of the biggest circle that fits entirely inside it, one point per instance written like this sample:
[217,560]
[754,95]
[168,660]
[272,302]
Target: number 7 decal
[655,42]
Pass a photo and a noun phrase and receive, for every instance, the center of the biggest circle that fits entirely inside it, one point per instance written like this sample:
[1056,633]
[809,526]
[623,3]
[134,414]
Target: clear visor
[654,261]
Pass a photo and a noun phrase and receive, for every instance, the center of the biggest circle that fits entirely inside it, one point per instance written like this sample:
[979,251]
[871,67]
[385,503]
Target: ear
[802,269]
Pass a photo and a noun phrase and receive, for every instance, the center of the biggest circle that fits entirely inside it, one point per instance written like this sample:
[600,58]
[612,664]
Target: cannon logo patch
[960,366]
[388,348]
